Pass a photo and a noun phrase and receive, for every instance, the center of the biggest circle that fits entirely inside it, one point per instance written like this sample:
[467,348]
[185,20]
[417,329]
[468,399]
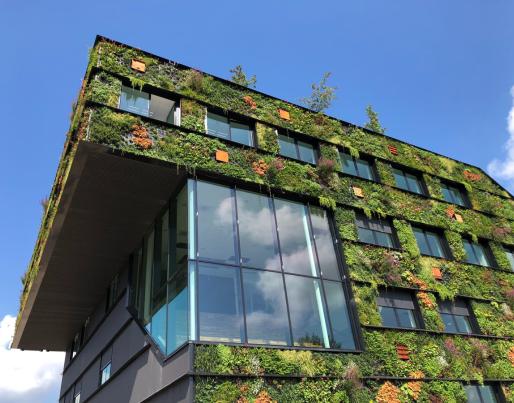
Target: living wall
[437,361]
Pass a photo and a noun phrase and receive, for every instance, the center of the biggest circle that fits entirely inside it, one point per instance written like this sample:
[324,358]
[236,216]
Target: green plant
[240,77]
[322,95]
[373,121]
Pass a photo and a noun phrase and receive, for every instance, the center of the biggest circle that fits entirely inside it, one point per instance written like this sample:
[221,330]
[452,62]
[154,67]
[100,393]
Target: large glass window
[430,242]
[229,265]
[225,128]
[477,253]
[408,181]
[357,167]
[150,105]
[480,394]
[456,316]
[397,309]
[454,194]
[375,231]
[294,148]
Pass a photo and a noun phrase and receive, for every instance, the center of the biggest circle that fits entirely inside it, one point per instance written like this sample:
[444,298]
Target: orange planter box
[284,114]
[436,272]
[357,191]
[221,156]
[138,65]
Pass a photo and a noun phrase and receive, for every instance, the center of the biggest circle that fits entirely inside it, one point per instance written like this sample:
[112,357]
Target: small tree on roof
[373,122]
[322,95]
[239,77]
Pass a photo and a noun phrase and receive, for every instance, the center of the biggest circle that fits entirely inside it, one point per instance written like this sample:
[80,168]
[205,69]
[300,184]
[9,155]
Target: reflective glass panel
[400,179]
[106,374]
[366,235]
[510,257]
[347,164]
[287,146]
[307,312]
[384,239]
[257,231]
[241,133]
[388,317]
[216,223]
[134,101]
[339,318]
[324,244]
[265,304]
[218,125]
[364,169]
[220,311]
[162,108]
[435,244]
[462,323]
[177,311]
[422,241]
[472,394]
[449,324]
[413,183]
[296,243]
[405,318]
[306,152]
[487,394]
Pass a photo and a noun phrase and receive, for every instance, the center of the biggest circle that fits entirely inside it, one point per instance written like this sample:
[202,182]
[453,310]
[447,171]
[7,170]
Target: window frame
[509,251]
[394,238]
[416,311]
[442,239]
[108,363]
[496,392]
[472,321]
[231,118]
[375,177]
[489,256]
[456,186]
[298,138]
[419,178]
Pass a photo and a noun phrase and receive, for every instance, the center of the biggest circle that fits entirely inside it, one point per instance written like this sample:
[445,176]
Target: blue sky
[438,72]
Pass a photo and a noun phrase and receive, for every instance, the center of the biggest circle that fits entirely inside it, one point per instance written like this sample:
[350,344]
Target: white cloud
[505,169]
[27,376]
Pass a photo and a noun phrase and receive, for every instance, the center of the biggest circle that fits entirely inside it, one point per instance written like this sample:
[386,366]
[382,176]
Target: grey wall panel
[90,380]
[180,392]
[126,345]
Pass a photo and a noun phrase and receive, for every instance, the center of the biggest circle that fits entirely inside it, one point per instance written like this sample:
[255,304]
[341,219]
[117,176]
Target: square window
[397,309]
[430,243]
[408,181]
[375,231]
[357,166]
[456,316]
[477,253]
[454,194]
[223,127]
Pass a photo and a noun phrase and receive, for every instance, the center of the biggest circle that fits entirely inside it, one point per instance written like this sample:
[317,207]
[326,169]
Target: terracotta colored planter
[284,114]
[436,272]
[221,156]
[403,352]
[392,149]
[138,65]
[357,191]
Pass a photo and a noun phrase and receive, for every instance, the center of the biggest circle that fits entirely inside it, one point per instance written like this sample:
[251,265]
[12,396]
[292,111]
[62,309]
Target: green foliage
[373,121]
[406,237]
[322,95]
[239,77]
[456,245]
[494,318]
[267,138]
[327,202]
[385,173]
[105,89]
[192,115]
[345,221]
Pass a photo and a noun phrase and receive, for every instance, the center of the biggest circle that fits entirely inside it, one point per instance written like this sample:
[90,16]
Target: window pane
[401,182]
[388,316]
[106,374]
[384,239]
[462,324]
[510,257]
[287,146]
[241,133]
[413,183]
[449,324]
[219,304]
[481,255]
[422,242]
[295,238]
[134,101]
[162,108]
[456,196]
[339,318]
[307,312]
[217,125]
[472,394]
[364,169]
[216,224]
[470,255]
[179,233]
[347,164]
[257,231]
[406,318]
[324,244]
[177,311]
[435,244]
[487,394]
[266,311]
[447,195]
[306,152]
[366,235]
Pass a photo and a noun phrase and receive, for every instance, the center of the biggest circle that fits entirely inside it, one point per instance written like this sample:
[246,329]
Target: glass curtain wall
[261,271]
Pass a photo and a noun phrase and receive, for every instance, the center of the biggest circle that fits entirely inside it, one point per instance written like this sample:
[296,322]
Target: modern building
[207,242]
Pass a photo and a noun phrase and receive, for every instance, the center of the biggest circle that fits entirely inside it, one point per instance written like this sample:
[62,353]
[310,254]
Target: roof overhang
[108,202]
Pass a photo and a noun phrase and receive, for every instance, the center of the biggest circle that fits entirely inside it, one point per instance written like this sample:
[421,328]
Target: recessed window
[76,392]
[375,231]
[454,194]
[294,148]
[150,105]
[408,181]
[477,253]
[510,257]
[480,394]
[357,167]
[456,316]
[397,309]
[229,129]
[105,365]
[113,292]
[430,242]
